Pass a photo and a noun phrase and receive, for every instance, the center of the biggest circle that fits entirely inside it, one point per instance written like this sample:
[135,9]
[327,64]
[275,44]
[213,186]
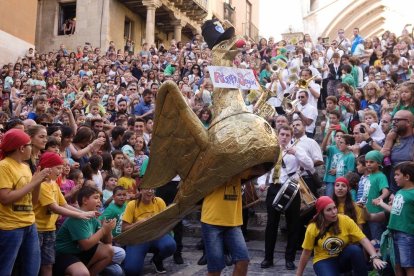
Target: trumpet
[289,105]
[304,84]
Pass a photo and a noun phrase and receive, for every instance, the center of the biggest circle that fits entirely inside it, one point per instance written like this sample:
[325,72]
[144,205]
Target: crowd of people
[76,130]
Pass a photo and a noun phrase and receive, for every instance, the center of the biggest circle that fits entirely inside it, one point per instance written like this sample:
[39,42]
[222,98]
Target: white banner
[228,77]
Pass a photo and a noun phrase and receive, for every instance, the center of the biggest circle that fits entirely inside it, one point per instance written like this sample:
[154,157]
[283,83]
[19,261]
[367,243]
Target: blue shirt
[142,108]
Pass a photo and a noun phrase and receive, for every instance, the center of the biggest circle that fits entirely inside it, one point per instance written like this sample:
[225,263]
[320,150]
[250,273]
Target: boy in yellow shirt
[51,204]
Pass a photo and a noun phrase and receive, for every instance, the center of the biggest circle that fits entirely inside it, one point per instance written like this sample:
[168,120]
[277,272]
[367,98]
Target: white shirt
[310,112]
[378,136]
[311,148]
[275,101]
[312,100]
[292,163]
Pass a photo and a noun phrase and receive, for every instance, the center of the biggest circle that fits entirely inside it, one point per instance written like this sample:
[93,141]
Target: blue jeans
[350,259]
[115,268]
[376,229]
[216,238]
[404,249]
[22,243]
[329,189]
[135,254]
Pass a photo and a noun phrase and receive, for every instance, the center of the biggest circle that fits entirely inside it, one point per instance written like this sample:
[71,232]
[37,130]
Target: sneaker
[178,258]
[159,267]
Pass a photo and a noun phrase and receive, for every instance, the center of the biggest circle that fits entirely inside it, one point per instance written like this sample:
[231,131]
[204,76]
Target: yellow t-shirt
[14,176]
[128,183]
[135,212]
[223,207]
[330,246]
[49,193]
[359,212]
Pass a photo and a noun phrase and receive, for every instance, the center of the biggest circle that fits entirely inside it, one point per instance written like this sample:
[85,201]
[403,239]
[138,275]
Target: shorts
[63,261]
[216,238]
[404,249]
[47,247]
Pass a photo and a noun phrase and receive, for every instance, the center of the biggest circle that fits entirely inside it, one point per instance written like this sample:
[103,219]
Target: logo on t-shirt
[397,204]
[333,245]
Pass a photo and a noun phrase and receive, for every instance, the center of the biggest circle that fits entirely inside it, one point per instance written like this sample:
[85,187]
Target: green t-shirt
[345,164]
[402,212]
[72,231]
[333,155]
[377,182]
[114,211]
[401,107]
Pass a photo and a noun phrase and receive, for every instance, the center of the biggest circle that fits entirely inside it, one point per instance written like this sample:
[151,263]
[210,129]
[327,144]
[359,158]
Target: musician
[292,160]
[311,149]
[314,89]
[334,49]
[277,85]
[306,112]
[343,42]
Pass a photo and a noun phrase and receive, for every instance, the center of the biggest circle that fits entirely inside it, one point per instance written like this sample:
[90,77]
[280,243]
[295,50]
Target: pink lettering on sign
[218,77]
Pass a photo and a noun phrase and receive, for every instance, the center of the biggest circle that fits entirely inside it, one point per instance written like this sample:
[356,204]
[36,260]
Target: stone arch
[349,14]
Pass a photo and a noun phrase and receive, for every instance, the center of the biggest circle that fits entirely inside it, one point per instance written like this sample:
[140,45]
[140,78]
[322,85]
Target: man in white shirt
[292,159]
[314,89]
[311,148]
[306,112]
[343,42]
[277,86]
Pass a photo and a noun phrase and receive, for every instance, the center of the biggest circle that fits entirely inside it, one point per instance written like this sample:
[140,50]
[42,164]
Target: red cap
[343,180]
[49,160]
[12,140]
[322,202]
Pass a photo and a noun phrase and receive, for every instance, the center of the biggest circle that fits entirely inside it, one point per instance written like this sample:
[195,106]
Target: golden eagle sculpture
[205,159]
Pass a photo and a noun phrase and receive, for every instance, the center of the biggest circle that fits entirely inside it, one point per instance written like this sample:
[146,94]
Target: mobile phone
[362,129]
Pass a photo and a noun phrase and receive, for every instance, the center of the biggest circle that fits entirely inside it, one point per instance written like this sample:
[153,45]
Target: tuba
[262,108]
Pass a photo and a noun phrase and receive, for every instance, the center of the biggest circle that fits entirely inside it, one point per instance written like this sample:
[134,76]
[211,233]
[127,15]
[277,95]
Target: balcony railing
[202,3]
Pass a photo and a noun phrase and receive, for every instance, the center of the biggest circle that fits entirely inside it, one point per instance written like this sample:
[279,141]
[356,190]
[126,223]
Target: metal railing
[202,3]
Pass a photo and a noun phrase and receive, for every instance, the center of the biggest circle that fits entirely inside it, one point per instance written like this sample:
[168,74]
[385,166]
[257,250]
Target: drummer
[292,160]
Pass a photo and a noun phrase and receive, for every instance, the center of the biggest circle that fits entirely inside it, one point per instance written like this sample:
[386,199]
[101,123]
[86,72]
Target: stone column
[151,5]
[178,27]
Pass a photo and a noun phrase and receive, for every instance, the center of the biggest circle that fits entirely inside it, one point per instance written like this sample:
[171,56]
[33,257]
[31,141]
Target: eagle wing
[177,139]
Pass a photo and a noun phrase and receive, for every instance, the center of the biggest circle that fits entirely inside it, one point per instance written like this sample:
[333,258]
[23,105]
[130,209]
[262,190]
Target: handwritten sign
[228,77]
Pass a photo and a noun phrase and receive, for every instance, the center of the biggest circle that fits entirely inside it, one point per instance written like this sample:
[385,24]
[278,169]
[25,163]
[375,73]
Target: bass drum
[307,199]
[249,195]
[286,194]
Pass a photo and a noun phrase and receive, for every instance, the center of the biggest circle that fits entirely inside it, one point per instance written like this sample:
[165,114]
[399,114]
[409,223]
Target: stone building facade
[17,28]
[154,21]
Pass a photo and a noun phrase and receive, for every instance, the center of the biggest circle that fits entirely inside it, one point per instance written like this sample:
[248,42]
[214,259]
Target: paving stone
[256,251]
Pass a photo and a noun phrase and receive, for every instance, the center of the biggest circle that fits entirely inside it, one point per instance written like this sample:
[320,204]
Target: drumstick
[294,143]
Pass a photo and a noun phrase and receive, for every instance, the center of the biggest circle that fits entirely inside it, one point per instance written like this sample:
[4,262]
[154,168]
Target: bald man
[28,123]
[403,150]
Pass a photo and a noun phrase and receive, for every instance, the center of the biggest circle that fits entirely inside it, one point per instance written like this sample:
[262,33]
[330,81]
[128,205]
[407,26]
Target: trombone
[288,103]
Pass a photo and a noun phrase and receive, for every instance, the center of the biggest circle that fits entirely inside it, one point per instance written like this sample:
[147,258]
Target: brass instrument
[288,103]
[262,108]
[304,84]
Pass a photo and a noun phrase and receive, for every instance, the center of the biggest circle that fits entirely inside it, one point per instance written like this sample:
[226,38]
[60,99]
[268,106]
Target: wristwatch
[369,140]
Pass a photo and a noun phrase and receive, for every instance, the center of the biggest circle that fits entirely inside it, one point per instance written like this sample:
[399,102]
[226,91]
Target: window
[128,29]
[128,35]
[228,11]
[67,18]
[248,18]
